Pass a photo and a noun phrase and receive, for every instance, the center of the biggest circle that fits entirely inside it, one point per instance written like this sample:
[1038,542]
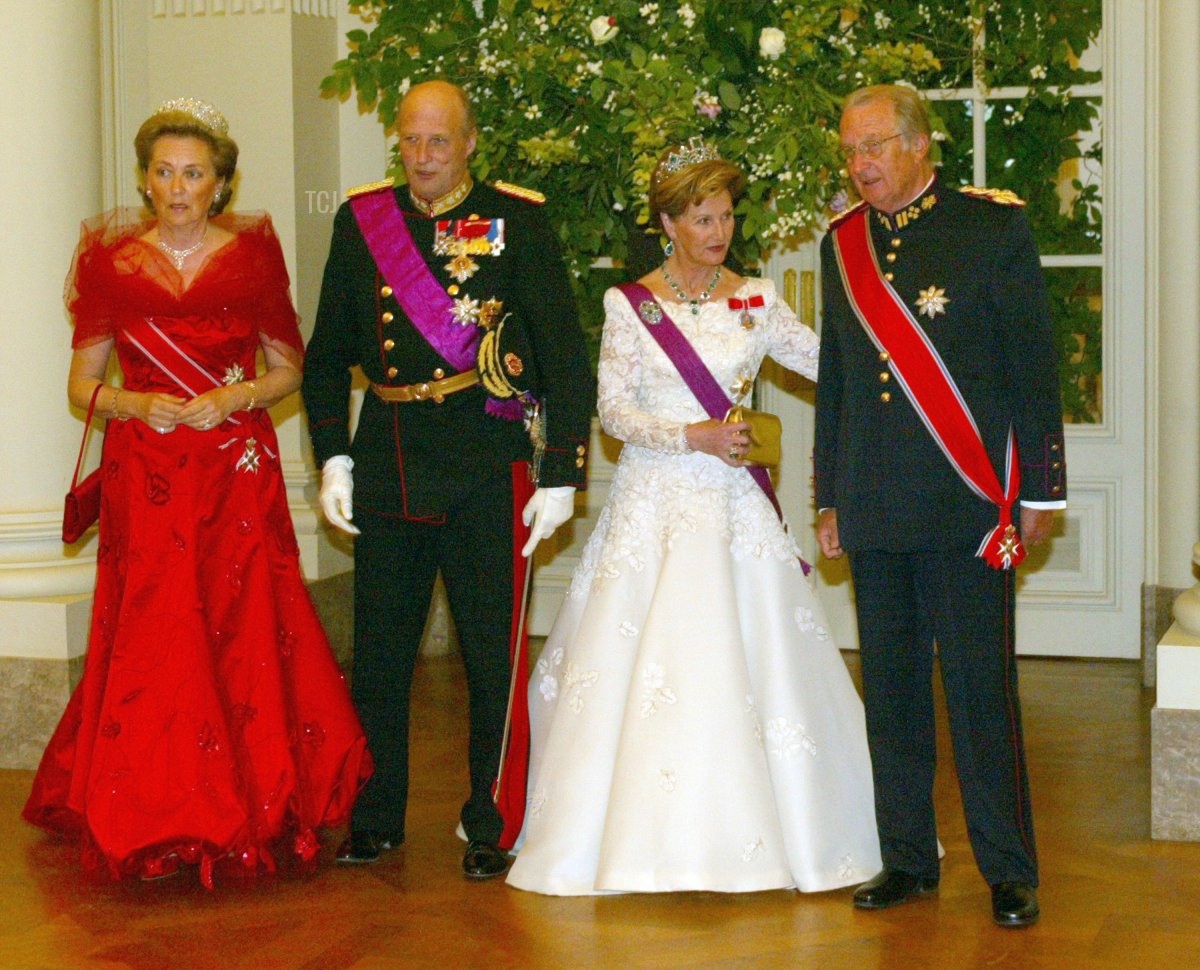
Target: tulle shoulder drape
[116,276]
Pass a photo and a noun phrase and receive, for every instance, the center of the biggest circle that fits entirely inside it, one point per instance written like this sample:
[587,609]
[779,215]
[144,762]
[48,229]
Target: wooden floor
[1110,896]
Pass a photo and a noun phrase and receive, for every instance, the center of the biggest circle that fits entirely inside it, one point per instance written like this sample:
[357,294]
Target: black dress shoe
[484,860]
[1014,904]
[365,845]
[890,888]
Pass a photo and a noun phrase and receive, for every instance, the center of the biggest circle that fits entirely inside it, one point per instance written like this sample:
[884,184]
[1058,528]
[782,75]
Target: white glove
[337,491]
[548,509]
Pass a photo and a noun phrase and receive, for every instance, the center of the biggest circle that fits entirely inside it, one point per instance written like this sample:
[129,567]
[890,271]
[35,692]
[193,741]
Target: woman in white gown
[693,724]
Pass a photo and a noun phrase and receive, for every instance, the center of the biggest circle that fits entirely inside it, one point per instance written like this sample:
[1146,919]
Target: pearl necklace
[179,256]
[693,302]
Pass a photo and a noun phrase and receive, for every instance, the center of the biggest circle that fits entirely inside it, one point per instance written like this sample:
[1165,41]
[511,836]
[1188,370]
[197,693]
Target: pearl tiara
[693,153]
[202,111]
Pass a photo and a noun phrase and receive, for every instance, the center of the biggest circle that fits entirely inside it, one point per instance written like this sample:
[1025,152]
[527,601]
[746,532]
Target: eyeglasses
[870,148]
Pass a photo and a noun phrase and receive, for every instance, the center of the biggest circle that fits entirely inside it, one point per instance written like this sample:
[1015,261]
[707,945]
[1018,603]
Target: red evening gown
[212,724]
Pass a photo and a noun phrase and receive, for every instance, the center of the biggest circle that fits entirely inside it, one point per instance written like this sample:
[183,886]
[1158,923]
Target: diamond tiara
[693,153]
[202,111]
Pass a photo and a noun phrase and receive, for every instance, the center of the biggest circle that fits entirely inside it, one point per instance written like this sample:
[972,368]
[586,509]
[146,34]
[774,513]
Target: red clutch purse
[82,506]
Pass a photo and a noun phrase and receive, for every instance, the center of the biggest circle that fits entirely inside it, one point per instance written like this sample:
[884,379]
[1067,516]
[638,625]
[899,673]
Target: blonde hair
[671,193]
[911,117]
[183,125]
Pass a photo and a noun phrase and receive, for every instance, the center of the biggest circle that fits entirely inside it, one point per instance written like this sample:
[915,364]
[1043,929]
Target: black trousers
[396,562]
[905,602]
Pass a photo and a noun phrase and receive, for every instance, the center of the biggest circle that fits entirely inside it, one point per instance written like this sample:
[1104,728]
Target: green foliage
[578,98]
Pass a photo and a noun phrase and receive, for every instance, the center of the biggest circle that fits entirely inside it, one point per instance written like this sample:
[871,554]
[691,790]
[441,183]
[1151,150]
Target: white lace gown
[693,724]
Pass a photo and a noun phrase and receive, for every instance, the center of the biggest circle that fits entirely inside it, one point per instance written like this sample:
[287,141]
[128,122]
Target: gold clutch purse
[765,434]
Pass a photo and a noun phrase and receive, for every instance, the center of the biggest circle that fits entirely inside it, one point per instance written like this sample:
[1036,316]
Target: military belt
[435,391]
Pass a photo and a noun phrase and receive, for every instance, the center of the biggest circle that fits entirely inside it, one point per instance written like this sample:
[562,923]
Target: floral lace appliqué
[654,690]
[666,780]
[785,739]
[575,681]
[752,850]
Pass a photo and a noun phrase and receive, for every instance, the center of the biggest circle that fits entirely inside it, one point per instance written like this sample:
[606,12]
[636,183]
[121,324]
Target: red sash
[922,373]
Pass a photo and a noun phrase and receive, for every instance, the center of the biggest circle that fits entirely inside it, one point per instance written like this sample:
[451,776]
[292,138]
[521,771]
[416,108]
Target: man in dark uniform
[937,368]
[418,279]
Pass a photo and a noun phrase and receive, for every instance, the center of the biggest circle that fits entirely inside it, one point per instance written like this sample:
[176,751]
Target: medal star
[233,375]
[489,313]
[466,310]
[461,267]
[249,460]
[932,301]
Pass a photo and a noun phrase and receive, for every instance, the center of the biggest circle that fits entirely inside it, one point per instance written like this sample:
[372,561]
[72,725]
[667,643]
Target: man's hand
[547,509]
[1035,525]
[337,493]
[827,535]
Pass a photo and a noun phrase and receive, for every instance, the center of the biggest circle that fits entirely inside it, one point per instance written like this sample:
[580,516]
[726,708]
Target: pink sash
[920,370]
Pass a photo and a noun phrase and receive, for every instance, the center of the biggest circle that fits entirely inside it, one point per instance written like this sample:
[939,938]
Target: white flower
[603,29]
[882,20]
[687,15]
[549,687]
[771,42]
[533,111]
[1037,72]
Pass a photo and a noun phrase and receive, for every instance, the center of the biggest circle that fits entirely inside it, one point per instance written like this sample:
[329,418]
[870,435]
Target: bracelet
[253,395]
[116,410]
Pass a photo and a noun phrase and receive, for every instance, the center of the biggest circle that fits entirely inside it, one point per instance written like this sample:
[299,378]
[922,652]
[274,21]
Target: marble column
[49,180]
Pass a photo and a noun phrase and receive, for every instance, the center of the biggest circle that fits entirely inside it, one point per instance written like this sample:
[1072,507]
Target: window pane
[1075,298]
[1027,42]
[957,152]
[1049,153]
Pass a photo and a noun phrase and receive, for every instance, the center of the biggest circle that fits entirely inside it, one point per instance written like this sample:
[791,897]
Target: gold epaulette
[843,216]
[999,196]
[520,192]
[370,187]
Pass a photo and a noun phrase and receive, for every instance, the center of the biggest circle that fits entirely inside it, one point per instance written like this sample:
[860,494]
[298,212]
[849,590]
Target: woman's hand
[205,411]
[159,411]
[725,441]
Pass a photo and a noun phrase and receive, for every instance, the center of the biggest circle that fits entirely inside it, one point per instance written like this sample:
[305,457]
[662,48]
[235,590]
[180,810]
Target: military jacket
[414,458]
[968,270]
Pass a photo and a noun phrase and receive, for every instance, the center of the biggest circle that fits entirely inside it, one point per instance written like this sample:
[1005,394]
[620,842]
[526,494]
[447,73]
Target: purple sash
[691,368]
[418,292]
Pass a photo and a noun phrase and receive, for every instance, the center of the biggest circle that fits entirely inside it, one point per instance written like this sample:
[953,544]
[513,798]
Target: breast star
[466,310]
[932,301]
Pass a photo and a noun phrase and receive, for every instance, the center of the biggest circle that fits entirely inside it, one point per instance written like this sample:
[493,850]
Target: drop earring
[669,249]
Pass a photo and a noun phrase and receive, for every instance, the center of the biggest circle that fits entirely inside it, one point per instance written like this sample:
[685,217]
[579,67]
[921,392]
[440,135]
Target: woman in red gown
[212,724]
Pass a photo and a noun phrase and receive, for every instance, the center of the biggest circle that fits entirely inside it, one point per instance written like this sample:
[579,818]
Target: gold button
[473,216]
[579,463]
[1056,465]
[891,257]
[392,372]
[385,291]
[885,397]
[1056,447]
[889,276]
[452,289]
[389,344]
[884,356]
[388,316]
[438,374]
[580,450]
[885,376]
[1056,489]
[895,244]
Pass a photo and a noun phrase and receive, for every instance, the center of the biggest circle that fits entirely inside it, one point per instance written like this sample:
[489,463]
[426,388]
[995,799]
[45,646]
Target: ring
[161,430]
[204,425]
[733,454]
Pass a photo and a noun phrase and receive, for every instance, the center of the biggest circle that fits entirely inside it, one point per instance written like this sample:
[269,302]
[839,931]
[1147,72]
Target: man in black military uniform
[418,279]
[955,271]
